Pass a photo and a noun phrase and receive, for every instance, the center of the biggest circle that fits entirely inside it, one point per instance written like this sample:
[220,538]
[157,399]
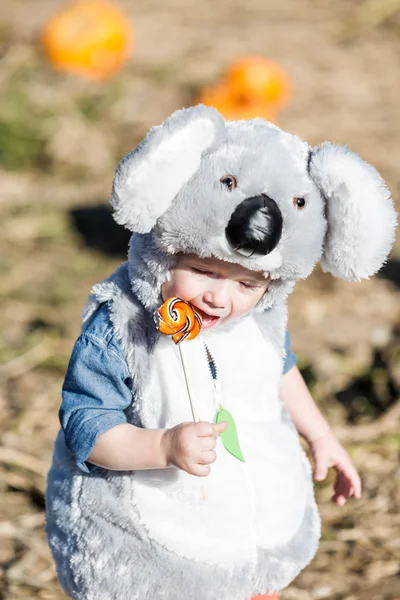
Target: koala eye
[229,181]
[299,203]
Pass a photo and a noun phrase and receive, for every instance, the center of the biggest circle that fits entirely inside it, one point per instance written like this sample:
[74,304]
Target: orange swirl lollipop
[177,318]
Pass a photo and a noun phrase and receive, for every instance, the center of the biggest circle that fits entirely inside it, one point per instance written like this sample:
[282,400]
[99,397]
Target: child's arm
[97,391]
[188,446]
[325,447]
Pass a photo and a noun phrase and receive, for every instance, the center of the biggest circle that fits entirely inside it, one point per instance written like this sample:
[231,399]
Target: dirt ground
[60,140]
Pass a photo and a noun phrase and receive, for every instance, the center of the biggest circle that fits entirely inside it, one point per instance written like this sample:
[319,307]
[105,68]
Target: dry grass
[60,139]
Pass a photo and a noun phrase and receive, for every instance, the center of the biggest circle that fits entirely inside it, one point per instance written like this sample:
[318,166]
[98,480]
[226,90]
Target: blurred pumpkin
[259,77]
[89,37]
[216,96]
[233,108]
[252,87]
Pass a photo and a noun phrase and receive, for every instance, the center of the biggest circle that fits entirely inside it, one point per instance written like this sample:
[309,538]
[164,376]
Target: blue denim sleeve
[96,389]
[290,358]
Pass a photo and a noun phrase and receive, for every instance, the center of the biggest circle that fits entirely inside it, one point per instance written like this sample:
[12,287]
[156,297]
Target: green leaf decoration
[229,437]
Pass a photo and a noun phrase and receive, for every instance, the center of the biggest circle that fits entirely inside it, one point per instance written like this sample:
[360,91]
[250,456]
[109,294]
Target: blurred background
[78,90]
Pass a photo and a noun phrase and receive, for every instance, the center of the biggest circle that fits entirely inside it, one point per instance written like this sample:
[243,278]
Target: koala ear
[359,211]
[149,177]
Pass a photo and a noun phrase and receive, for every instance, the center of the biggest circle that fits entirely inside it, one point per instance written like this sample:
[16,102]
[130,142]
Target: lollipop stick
[196,418]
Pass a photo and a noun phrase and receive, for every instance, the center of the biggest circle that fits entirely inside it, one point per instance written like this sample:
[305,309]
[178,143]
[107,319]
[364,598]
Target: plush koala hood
[249,193]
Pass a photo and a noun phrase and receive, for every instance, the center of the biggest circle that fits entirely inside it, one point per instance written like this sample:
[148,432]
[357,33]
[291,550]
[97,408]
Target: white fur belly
[278,471]
[224,517]
[209,519]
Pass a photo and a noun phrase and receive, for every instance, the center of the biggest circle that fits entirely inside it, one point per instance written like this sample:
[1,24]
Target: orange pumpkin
[252,87]
[216,96]
[235,109]
[90,38]
[259,77]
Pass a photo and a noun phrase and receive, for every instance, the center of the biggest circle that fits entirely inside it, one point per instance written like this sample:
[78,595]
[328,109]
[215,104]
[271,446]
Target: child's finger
[207,443]
[343,490]
[207,457]
[200,470]
[321,469]
[220,427]
[205,429]
[339,500]
[356,486]
[356,483]
[349,473]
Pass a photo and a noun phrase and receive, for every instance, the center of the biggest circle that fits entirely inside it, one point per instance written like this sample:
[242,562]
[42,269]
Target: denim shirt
[98,386]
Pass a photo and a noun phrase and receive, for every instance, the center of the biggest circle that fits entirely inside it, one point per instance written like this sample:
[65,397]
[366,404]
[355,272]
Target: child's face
[221,291]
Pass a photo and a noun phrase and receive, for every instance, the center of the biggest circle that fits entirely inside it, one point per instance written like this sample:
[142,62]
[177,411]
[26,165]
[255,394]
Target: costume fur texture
[127,536]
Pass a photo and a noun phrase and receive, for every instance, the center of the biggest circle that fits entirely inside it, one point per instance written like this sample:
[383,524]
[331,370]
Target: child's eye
[249,286]
[196,270]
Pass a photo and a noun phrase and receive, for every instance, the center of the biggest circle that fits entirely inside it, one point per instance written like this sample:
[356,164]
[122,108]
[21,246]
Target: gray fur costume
[249,193]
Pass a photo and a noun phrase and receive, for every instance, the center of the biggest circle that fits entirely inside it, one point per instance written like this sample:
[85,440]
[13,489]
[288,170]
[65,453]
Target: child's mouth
[207,320]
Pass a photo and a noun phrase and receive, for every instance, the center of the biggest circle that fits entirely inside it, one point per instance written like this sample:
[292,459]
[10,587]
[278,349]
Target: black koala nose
[255,227]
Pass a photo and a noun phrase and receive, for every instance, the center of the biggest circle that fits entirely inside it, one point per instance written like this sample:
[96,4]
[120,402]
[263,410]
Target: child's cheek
[186,287]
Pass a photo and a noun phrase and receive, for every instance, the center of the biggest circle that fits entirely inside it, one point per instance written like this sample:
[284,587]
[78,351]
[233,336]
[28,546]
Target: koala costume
[248,528]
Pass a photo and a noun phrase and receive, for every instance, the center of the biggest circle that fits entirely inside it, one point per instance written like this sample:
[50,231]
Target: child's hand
[190,446]
[328,452]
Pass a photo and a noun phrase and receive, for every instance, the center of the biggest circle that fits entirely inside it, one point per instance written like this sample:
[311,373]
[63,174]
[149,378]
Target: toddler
[142,501]
[221,292]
